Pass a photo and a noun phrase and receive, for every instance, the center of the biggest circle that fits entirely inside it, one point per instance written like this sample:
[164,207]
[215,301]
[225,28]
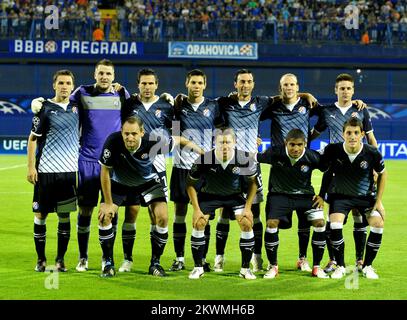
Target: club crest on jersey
[236,170]
[252,107]
[304,168]
[74,110]
[36,205]
[144,156]
[302,110]
[36,122]
[158,113]
[354,115]
[207,112]
[106,154]
[364,164]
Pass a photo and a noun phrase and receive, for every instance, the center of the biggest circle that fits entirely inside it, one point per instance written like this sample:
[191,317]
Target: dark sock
[318,246]
[328,241]
[271,241]
[128,238]
[83,226]
[40,232]
[158,242]
[303,240]
[359,236]
[198,247]
[179,235]
[106,242]
[372,247]
[207,238]
[338,245]
[257,229]
[64,234]
[246,248]
[222,233]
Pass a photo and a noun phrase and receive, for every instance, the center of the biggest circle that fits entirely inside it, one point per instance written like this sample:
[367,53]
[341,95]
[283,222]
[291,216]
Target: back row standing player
[53,169]
[156,114]
[99,115]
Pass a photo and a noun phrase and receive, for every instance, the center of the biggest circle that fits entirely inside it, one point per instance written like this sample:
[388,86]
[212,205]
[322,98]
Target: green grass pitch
[19,281]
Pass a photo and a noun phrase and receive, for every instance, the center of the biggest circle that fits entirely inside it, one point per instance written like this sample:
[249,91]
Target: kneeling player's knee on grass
[318,223]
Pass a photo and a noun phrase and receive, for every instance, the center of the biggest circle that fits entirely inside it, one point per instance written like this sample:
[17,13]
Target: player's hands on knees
[106,211]
[360,104]
[318,202]
[32,175]
[197,215]
[36,104]
[378,206]
[247,214]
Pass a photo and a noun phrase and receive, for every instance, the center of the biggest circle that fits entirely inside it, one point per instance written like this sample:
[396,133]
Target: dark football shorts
[55,192]
[281,207]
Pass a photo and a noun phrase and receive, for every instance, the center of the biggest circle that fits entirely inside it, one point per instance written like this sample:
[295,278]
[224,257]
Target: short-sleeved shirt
[353,178]
[57,130]
[99,114]
[197,126]
[223,181]
[157,119]
[288,178]
[283,120]
[133,169]
[244,120]
[333,118]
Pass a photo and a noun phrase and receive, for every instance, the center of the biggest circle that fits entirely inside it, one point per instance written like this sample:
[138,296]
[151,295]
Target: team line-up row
[115,142]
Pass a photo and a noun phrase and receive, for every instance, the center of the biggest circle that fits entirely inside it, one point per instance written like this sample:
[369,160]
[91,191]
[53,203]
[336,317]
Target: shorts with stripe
[55,192]
[281,207]
[210,202]
[259,197]
[144,195]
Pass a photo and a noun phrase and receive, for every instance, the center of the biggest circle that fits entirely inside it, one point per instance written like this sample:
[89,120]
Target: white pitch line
[13,167]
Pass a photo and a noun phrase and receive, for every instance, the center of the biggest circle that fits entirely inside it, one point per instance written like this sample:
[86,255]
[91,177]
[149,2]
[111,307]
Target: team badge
[302,110]
[236,170]
[252,107]
[354,115]
[106,154]
[364,164]
[144,156]
[206,112]
[158,113]
[36,205]
[74,110]
[304,168]
[36,122]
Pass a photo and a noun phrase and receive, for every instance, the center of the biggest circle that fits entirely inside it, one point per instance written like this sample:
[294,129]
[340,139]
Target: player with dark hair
[332,117]
[222,171]
[353,187]
[99,107]
[128,177]
[290,189]
[157,114]
[196,117]
[53,168]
